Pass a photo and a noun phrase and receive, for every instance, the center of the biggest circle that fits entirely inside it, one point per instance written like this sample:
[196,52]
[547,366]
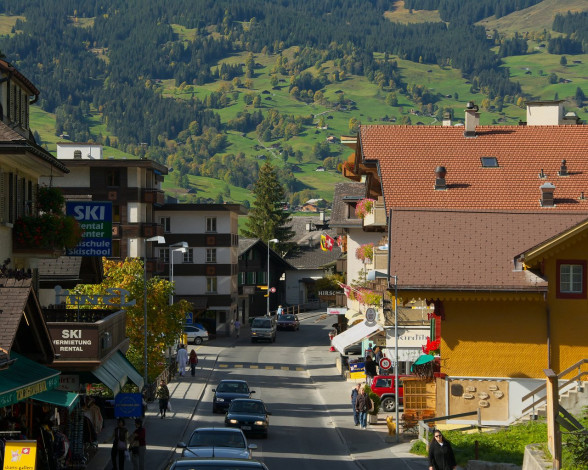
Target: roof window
[489,162]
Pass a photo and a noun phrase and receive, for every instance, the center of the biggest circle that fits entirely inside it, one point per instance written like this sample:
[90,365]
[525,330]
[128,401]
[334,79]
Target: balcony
[45,236]
[377,217]
[153,196]
[149,230]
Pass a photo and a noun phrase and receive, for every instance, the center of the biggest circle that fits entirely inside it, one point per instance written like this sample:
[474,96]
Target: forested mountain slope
[212,87]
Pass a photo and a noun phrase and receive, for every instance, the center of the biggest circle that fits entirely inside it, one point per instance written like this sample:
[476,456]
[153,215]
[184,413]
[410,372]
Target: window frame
[570,295]
[165,222]
[164,255]
[211,256]
[211,225]
[211,285]
[188,257]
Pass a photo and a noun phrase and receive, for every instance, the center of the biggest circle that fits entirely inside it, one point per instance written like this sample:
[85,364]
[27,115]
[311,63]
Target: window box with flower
[364,207]
[365,252]
[49,231]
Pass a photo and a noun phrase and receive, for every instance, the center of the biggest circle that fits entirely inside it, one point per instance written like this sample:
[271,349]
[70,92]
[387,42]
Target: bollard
[331,336]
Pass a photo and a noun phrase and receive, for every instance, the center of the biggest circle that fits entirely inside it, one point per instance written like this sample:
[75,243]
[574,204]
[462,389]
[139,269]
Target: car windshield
[215,465]
[246,407]
[288,318]
[261,324]
[217,439]
[232,387]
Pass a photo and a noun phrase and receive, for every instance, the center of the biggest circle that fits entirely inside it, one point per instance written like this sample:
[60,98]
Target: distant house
[332,139]
[320,168]
[315,201]
[309,208]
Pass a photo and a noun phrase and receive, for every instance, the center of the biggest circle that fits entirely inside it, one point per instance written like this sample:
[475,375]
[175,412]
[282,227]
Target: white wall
[89,151]
[195,222]
[79,177]
[295,290]
[196,285]
[548,114]
[134,177]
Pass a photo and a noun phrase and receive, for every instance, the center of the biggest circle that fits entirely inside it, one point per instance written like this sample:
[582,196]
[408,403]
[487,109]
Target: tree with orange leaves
[164,321]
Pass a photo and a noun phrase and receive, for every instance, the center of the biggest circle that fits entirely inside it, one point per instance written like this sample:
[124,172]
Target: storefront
[410,343]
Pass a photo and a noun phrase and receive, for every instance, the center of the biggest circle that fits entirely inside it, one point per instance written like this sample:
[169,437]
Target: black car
[217,464]
[288,322]
[226,391]
[248,414]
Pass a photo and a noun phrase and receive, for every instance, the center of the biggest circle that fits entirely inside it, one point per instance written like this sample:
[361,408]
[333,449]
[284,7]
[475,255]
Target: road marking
[254,367]
[269,367]
[223,365]
[257,366]
[285,368]
[238,366]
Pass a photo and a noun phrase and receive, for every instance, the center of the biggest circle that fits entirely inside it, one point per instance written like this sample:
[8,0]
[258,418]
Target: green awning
[25,378]
[58,397]
[116,371]
[123,363]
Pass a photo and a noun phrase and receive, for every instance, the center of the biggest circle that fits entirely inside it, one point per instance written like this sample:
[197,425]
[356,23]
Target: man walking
[354,393]
[237,327]
[182,359]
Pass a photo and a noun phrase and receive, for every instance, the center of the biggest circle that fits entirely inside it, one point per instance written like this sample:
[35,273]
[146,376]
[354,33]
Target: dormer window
[489,162]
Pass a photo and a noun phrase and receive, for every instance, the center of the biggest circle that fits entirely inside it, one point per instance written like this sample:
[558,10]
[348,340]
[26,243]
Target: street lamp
[273,240]
[159,239]
[182,247]
[371,276]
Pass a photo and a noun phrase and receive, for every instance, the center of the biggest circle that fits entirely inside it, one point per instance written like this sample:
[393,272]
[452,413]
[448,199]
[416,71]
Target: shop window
[571,279]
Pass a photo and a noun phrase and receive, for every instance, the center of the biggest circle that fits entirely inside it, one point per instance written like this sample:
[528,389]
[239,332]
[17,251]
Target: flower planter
[45,253]
[375,218]
[372,419]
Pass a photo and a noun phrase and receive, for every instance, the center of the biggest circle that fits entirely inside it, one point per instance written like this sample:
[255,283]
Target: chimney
[472,119]
[544,113]
[563,170]
[446,119]
[322,216]
[547,190]
[440,173]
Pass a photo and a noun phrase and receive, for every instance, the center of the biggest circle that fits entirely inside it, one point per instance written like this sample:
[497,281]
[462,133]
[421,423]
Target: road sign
[189,318]
[273,290]
[385,363]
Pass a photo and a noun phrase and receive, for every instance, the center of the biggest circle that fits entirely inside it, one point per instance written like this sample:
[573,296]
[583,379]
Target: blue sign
[128,405]
[95,218]
[356,367]
[189,318]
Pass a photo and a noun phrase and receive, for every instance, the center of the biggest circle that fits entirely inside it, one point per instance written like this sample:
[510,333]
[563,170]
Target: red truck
[383,386]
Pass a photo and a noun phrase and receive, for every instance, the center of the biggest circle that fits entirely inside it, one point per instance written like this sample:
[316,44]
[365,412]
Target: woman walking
[119,445]
[193,360]
[441,455]
[362,406]
[162,394]
[138,446]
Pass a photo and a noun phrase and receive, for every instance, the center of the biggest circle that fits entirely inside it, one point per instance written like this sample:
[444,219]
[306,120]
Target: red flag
[339,240]
[329,243]
[346,289]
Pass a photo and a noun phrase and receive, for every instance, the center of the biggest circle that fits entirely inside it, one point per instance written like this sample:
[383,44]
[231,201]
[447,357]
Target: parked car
[250,415]
[288,322]
[226,443]
[218,464]
[263,328]
[195,334]
[226,391]
[383,386]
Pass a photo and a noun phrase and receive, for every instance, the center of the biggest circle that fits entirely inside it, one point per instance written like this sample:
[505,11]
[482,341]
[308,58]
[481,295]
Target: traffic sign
[385,363]
[273,290]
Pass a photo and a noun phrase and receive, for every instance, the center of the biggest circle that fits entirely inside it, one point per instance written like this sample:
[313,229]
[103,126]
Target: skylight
[489,162]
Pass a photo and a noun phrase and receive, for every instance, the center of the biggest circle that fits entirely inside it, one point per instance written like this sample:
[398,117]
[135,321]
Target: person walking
[182,359]
[362,405]
[193,362]
[119,445]
[370,370]
[441,455]
[138,446]
[354,393]
[378,355]
[237,327]
[280,310]
[162,394]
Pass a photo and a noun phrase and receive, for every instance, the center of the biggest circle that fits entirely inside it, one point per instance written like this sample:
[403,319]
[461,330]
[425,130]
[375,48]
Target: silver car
[217,464]
[226,443]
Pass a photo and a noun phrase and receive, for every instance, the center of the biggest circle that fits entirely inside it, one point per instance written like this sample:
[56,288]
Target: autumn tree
[164,321]
[267,219]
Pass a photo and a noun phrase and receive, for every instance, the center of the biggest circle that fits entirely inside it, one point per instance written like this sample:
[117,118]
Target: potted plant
[365,252]
[364,207]
[373,414]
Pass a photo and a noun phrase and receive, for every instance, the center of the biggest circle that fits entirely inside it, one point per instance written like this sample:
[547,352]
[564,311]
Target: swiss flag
[329,242]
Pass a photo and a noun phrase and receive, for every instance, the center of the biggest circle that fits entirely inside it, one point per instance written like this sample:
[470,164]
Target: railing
[296,309]
[574,380]
[424,428]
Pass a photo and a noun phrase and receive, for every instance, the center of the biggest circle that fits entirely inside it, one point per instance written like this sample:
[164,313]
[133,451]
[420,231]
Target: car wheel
[198,340]
[388,404]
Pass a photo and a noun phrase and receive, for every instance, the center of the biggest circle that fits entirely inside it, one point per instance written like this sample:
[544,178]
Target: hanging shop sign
[337,310]
[95,218]
[115,297]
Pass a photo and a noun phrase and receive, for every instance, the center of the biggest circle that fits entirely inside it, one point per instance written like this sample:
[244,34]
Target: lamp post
[182,247]
[371,276]
[273,240]
[158,239]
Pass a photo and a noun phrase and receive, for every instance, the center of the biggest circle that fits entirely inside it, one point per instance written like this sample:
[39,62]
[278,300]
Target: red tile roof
[470,250]
[408,156]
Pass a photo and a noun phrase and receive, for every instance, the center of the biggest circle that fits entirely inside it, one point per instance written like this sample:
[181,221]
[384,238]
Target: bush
[375,398]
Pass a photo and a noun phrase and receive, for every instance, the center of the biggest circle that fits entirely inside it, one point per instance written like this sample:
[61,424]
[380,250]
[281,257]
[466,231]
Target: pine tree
[267,219]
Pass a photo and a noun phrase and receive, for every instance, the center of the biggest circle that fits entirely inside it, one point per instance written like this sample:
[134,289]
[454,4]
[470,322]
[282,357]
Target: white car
[226,443]
[195,335]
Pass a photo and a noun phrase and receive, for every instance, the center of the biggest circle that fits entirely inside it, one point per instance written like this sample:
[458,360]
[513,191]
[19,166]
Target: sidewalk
[367,448]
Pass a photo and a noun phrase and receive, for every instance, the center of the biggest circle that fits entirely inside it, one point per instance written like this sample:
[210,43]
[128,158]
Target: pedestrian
[182,358]
[441,455]
[162,394]
[237,327]
[119,445]
[280,310]
[378,355]
[370,370]
[362,405]
[138,446]
[354,393]
[193,362]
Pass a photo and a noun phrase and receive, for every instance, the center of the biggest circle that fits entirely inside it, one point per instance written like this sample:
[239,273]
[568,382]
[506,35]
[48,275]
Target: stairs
[573,400]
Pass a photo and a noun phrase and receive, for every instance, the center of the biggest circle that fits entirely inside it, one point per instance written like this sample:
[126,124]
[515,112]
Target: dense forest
[110,55]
